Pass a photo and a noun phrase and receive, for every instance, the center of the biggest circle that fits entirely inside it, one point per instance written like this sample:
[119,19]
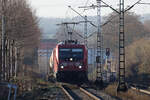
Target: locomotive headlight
[62,67]
[71,59]
[80,67]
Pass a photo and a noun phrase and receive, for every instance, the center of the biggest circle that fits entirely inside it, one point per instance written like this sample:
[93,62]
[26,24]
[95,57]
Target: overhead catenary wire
[66,13]
[144,3]
[91,21]
[108,21]
[110,6]
[68,29]
[82,16]
[138,2]
[85,5]
[86,2]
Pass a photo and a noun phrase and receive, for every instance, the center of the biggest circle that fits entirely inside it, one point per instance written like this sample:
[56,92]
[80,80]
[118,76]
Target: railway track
[137,88]
[78,93]
[141,90]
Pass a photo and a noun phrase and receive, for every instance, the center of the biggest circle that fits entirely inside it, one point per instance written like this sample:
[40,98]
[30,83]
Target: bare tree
[21,26]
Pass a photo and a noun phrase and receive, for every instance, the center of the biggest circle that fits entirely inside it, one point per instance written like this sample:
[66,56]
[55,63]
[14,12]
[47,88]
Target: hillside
[49,27]
[138,61]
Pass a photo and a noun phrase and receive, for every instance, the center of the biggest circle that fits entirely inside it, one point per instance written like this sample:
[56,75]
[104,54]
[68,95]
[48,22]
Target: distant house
[46,46]
[44,51]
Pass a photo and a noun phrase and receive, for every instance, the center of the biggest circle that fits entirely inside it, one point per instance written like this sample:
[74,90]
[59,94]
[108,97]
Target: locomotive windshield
[74,53]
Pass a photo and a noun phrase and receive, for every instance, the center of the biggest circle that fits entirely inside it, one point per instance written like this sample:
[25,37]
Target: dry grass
[129,95]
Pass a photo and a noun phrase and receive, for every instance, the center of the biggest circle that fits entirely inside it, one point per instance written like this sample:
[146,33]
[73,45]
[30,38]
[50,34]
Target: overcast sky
[58,8]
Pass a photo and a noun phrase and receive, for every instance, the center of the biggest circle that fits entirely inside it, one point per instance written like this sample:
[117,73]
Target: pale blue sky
[58,8]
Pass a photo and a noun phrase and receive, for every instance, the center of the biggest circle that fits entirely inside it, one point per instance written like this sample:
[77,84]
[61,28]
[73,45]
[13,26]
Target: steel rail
[141,90]
[82,90]
[89,94]
[67,93]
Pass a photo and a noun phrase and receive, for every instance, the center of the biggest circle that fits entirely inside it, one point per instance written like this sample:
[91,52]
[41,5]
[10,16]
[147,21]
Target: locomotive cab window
[74,53]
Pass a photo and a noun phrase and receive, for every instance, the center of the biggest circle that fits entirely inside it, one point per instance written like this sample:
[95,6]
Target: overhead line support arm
[76,12]
[82,16]
[144,3]
[132,6]
[110,7]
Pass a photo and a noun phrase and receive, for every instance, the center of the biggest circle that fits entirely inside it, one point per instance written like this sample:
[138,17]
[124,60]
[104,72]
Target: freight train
[68,62]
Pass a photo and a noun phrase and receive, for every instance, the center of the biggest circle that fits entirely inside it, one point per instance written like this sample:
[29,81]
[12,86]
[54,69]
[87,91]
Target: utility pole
[99,58]
[122,83]
[3,41]
[85,32]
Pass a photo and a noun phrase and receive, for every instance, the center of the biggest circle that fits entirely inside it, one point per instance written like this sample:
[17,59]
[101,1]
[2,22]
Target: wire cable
[85,5]
[66,13]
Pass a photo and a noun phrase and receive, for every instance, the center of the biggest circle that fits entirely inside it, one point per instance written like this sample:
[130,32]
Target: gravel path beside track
[55,94]
[101,94]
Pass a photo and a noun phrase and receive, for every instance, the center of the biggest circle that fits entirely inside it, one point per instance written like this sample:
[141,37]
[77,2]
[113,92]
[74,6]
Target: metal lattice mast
[85,31]
[99,44]
[122,84]
[3,41]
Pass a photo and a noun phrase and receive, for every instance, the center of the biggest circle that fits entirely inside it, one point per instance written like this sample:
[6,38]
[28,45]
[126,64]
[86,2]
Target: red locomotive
[68,62]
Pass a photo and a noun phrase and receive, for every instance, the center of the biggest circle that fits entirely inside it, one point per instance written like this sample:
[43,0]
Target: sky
[59,8]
